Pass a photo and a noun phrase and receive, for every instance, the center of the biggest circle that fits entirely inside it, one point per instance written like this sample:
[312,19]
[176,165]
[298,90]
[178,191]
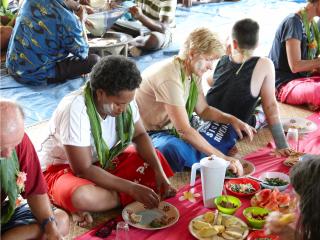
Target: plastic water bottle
[293,138]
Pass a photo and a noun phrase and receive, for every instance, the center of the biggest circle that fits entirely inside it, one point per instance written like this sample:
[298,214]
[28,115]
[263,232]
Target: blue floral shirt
[45,33]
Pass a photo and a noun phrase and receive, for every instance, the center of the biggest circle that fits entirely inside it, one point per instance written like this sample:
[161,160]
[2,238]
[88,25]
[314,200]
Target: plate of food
[248,169]
[293,158]
[136,215]
[303,125]
[260,234]
[218,226]
[242,187]
[274,200]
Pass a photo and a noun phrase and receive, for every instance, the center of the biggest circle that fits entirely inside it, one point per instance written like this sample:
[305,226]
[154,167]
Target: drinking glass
[122,231]
[293,138]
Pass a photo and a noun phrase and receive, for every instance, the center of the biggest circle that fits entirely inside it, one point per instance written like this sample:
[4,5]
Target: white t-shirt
[70,125]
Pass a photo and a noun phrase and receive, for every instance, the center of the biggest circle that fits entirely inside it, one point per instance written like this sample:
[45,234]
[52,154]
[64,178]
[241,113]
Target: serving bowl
[219,202]
[273,180]
[256,216]
[239,186]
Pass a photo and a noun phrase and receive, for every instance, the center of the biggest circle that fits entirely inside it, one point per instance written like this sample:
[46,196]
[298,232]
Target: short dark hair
[304,177]
[114,74]
[246,32]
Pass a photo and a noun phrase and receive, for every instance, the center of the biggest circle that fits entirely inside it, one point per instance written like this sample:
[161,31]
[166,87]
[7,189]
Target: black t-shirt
[290,28]
[231,92]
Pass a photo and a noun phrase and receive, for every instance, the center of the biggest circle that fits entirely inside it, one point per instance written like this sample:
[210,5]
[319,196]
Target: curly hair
[246,32]
[304,177]
[114,74]
[202,41]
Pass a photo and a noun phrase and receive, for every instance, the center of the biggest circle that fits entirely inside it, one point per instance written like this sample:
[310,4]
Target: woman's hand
[284,152]
[80,12]
[240,126]
[145,195]
[235,166]
[136,12]
[164,188]
[88,9]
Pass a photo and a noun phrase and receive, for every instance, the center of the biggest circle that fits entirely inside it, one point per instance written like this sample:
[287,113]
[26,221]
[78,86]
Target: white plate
[248,169]
[195,232]
[303,125]
[148,215]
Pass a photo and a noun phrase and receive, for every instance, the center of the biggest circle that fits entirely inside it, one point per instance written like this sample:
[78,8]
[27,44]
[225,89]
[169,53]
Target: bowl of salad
[273,180]
[242,187]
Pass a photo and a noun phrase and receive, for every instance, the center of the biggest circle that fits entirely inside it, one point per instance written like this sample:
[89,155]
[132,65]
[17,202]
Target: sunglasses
[107,228]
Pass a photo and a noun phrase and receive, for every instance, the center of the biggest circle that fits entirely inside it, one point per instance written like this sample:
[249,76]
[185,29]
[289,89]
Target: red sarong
[301,91]
[129,165]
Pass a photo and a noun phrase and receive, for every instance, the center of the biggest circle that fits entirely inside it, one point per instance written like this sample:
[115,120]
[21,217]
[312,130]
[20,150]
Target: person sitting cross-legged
[20,173]
[48,44]
[91,164]
[295,54]
[241,78]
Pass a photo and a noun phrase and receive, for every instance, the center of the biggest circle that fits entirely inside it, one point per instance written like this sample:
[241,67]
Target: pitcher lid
[214,162]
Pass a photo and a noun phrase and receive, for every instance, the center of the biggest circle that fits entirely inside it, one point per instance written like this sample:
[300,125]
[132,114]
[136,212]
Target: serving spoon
[257,179]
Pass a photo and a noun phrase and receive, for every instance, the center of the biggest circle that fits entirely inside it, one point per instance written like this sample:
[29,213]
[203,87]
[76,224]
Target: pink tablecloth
[264,161]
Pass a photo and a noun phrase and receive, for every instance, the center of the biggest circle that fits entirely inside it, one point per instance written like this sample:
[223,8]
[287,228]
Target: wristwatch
[46,221]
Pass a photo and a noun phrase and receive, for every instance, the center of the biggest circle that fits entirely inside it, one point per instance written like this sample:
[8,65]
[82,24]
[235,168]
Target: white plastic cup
[293,138]
[122,231]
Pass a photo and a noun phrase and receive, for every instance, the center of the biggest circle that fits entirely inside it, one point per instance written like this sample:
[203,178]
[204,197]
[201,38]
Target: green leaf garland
[9,169]
[124,127]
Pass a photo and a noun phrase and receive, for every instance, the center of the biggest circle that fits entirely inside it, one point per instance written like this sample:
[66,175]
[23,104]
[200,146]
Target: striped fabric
[155,9]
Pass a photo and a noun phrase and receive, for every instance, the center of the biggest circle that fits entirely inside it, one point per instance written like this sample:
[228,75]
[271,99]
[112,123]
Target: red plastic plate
[255,185]
[260,234]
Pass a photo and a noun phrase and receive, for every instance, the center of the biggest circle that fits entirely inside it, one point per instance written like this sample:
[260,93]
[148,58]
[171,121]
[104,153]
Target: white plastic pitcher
[213,171]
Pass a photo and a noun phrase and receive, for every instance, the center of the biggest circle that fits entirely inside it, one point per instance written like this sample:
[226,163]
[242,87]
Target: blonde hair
[202,41]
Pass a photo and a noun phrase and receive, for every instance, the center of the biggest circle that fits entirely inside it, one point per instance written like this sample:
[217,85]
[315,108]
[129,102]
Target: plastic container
[253,222]
[234,200]
[279,175]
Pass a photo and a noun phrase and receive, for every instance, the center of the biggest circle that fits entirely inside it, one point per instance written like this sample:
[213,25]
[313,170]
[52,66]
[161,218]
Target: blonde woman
[171,92]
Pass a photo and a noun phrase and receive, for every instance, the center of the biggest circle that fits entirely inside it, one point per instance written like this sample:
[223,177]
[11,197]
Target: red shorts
[129,165]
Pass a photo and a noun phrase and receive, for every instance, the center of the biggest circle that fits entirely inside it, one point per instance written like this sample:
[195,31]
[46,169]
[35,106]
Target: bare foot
[134,51]
[83,219]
